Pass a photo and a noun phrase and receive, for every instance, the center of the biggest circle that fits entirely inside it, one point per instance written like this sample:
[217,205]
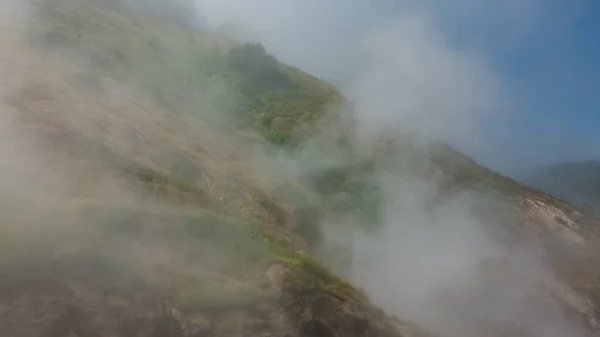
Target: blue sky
[537,63]
[555,72]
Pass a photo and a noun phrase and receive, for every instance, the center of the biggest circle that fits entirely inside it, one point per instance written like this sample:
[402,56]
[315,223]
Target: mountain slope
[576,182]
[566,239]
[186,71]
[145,223]
[129,142]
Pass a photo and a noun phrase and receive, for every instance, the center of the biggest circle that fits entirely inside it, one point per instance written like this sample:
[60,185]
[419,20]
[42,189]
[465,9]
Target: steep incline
[123,219]
[137,209]
[576,182]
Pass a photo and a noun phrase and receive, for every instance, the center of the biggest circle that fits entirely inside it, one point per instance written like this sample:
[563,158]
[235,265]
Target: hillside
[576,182]
[128,215]
[146,193]
[184,71]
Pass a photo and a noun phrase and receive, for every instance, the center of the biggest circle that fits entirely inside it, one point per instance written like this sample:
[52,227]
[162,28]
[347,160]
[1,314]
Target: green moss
[308,275]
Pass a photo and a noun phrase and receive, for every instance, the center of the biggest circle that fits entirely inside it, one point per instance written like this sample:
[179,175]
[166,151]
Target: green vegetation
[309,276]
[245,241]
[192,73]
[201,259]
[187,71]
[245,90]
[203,239]
[237,87]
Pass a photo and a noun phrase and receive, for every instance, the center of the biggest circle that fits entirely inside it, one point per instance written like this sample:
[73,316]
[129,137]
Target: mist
[407,74]
[75,228]
[433,259]
[506,37]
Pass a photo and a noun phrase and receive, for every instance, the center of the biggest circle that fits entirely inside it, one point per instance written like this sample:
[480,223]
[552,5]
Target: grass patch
[222,251]
[309,276]
[188,229]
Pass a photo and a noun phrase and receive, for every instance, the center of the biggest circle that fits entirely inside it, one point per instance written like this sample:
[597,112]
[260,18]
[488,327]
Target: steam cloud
[426,263]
